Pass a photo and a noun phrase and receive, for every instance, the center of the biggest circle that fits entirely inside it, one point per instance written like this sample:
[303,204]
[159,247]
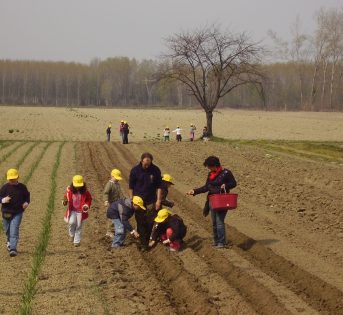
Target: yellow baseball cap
[162,215]
[12,173]
[78,181]
[138,201]
[116,174]
[168,178]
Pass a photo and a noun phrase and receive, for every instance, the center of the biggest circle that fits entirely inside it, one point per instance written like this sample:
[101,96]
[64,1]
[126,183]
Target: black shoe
[13,253]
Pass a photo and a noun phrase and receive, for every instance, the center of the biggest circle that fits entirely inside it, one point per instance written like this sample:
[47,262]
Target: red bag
[223,201]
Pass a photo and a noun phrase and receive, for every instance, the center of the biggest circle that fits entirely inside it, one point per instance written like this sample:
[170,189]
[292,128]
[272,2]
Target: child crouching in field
[169,229]
[15,198]
[120,212]
[78,199]
[112,193]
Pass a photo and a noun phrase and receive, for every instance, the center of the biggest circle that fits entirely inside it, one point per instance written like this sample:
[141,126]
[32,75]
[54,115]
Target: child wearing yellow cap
[167,181]
[14,198]
[78,199]
[112,193]
[169,229]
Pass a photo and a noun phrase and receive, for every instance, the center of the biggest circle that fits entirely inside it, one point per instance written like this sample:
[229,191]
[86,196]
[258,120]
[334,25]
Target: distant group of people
[124,131]
[178,131]
[147,202]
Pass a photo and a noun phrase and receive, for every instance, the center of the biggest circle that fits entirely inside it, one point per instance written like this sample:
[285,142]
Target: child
[192,132]
[126,131]
[167,181]
[166,134]
[205,134]
[170,229]
[108,133]
[15,198]
[112,192]
[79,200]
[121,130]
[178,134]
[120,212]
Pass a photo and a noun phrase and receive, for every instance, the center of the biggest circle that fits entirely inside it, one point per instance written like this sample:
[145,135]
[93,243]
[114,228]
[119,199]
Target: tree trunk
[209,117]
[333,70]
[313,88]
[324,84]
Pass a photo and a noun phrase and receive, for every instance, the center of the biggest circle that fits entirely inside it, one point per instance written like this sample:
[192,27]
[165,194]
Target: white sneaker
[110,235]
[172,249]
[8,246]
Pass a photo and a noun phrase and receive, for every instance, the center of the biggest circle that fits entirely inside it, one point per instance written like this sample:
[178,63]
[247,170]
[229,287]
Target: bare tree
[211,63]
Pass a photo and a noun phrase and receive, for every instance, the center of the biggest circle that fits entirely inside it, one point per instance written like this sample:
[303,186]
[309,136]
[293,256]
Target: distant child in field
[169,229]
[121,130]
[108,133]
[167,181]
[192,132]
[166,134]
[120,212]
[205,134]
[112,192]
[126,131]
[15,198]
[178,132]
[78,199]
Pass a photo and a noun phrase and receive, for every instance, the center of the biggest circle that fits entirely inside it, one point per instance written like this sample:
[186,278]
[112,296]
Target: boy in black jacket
[15,198]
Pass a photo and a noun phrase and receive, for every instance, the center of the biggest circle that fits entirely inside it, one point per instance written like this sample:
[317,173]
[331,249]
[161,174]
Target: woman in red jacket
[79,200]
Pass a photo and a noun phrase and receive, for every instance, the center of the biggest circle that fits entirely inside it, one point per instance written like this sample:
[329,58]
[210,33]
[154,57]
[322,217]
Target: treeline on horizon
[309,77]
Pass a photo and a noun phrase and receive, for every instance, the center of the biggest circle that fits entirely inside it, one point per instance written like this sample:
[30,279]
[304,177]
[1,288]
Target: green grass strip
[8,154]
[35,165]
[32,170]
[23,158]
[41,247]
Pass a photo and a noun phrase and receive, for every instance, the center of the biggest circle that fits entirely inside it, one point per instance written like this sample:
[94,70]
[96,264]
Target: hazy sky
[79,30]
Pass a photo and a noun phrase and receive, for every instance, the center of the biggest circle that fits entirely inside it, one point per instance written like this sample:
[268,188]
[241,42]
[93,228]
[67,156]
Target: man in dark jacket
[120,212]
[145,181]
[15,198]
[168,228]
[218,179]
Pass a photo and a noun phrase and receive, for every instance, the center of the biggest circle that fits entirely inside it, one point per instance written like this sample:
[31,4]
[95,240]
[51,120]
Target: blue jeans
[119,233]
[11,228]
[219,233]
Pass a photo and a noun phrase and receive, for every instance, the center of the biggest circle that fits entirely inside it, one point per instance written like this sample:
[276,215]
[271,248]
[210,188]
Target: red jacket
[86,199]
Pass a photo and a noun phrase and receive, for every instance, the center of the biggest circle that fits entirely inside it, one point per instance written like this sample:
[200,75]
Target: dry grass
[33,123]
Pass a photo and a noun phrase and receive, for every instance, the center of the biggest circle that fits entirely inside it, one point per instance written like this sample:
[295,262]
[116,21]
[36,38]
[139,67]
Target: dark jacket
[126,129]
[121,209]
[175,223]
[19,195]
[165,201]
[108,130]
[213,186]
[145,182]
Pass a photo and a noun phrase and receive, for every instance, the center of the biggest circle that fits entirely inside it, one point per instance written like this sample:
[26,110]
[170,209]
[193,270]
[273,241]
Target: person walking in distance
[126,131]
[108,133]
[178,132]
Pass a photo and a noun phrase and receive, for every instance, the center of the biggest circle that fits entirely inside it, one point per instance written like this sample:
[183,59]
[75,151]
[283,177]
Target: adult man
[145,182]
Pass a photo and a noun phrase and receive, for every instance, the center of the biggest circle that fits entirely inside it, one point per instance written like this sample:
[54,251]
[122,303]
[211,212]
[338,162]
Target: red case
[222,202]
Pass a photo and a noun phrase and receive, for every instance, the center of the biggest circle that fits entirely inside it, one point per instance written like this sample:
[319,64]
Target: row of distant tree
[306,74]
